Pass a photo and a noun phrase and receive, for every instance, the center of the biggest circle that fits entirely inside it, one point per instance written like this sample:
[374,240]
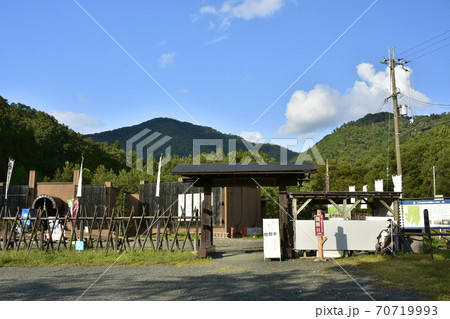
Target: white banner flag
[364,205]
[397,183]
[8,176]
[352,189]
[379,185]
[158,179]
[80,179]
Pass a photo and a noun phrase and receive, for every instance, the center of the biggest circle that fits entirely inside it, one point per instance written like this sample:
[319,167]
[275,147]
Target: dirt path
[238,272]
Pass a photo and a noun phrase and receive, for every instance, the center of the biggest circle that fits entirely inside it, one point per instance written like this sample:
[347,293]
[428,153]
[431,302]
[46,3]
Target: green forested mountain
[38,142]
[182,134]
[358,152]
[364,150]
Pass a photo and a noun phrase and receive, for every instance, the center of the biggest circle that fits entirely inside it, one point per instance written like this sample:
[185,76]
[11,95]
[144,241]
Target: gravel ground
[238,272]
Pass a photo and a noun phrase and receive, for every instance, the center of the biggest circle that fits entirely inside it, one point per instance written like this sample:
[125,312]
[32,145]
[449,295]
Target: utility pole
[392,64]
[434,181]
[327,180]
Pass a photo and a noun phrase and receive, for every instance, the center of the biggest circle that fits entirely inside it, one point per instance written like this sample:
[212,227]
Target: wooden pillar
[5,235]
[321,240]
[396,210]
[285,233]
[32,187]
[344,205]
[206,243]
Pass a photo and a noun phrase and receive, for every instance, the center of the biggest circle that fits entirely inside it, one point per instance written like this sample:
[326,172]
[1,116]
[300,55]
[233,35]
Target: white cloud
[166,59]
[184,91]
[81,98]
[243,9]
[219,39]
[79,122]
[254,137]
[324,107]
[307,111]
[249,9]
[208,10]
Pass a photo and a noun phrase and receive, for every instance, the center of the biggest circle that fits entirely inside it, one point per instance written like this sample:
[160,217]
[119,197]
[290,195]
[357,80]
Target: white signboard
[411,213]
[188,207]
[198,199]
[58,230]
[190,203]
[341,234]
[272,245]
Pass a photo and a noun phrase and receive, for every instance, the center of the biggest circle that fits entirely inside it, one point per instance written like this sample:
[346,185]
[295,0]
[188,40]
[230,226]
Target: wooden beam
[294,207]
[344,206]
[387,206]
[302,207]
[354,205]
[336,206]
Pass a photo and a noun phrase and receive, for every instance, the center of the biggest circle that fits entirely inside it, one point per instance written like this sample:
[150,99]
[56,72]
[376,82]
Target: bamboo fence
[114,231]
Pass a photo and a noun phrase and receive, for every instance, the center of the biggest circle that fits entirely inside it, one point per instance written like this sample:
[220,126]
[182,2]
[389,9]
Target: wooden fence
[114,231]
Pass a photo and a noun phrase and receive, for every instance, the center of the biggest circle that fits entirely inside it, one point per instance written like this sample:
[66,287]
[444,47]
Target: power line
[401,53]
[314,62]
[423,102]
[382,105]
[425,128]
[430,52]
[429,46]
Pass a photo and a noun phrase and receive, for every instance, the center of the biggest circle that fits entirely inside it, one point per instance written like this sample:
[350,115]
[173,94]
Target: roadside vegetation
[418,272]
[39,258]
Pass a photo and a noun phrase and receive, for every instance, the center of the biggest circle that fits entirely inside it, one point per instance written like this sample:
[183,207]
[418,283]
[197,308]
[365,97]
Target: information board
[271,231]
[411,213]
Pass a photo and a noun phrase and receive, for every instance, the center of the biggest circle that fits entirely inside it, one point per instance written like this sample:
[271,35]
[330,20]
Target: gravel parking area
[238,272]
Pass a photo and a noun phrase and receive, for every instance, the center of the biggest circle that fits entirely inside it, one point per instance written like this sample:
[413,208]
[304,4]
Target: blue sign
[25,221]
[79,245]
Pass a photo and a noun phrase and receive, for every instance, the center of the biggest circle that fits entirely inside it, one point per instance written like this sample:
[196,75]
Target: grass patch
[417,272]
[39,258]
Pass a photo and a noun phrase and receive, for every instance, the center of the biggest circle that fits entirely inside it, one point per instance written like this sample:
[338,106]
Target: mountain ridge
[182,135]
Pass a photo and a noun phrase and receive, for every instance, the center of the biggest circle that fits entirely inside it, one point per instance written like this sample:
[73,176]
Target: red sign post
[318,225]
[320,231]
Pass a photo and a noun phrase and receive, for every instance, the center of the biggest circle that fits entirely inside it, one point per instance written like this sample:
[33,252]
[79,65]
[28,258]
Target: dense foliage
[38,142]
[361,151]
[358,153]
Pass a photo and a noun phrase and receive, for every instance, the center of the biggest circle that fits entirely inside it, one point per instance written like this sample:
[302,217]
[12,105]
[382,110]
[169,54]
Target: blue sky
[223,63]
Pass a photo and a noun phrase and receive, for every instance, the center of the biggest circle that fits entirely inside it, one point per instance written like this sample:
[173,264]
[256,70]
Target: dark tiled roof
[250,168]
